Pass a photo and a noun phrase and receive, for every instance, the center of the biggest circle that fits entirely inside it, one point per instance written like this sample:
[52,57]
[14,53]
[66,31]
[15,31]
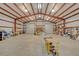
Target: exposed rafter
[9,13]
[58,11]
[46,10]
[12,9]
[51,10]
[25,17]
[27,10]
[72,15]
[32,9]
[67,9]
[69,22]
[69,16]
[39,21]
[19,9]
[70,12]
[40,14]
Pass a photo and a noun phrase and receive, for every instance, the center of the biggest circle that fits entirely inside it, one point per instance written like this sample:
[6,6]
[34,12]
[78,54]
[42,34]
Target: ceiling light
[26,10]
[53,10]
[47,19]
[39,6]
[39,15]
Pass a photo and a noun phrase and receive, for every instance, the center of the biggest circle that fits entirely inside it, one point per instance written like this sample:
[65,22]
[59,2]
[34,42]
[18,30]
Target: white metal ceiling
[18,10]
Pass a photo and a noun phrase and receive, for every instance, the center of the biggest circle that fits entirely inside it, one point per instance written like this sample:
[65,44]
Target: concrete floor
[24,45]
[30,45]
[69,47]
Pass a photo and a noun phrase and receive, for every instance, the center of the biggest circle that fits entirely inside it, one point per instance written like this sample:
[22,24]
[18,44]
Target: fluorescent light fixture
[26,10]
[39,15]
[39,6]
[47,19]
[53,10]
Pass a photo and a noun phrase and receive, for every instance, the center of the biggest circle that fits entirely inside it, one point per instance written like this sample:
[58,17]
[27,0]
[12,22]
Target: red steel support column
[64,26]
[14,25]
[55,27]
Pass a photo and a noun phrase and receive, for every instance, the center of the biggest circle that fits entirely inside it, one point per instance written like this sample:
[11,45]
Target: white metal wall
[48,28]
[3,23]
[8,24]
[30,27]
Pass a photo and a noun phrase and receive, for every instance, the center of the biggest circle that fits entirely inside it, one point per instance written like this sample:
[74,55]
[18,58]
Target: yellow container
[48,46]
